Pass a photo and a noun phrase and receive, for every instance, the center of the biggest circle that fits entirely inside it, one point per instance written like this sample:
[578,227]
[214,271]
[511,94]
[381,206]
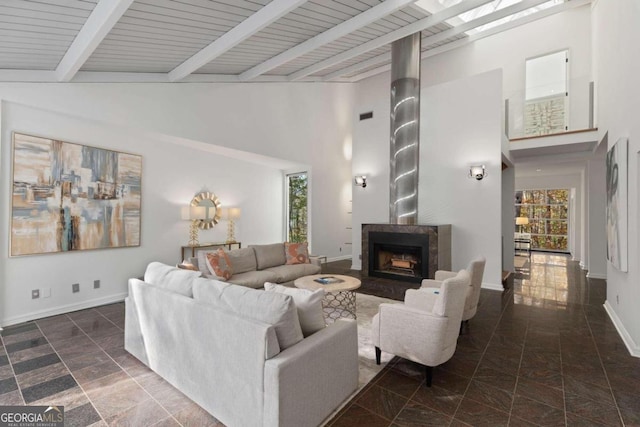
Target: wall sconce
[231,214]
[477,172]
[360,181]
[522,220]
[194,214]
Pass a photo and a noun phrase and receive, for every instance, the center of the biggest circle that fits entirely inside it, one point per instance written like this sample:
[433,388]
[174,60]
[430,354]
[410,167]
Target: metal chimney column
[405,129]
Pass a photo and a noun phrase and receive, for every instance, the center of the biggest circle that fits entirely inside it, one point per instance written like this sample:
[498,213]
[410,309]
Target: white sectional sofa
[238,352]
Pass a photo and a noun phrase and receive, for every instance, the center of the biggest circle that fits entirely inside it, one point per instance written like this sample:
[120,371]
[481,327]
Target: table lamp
[231,214]
[194,214]
[522,220]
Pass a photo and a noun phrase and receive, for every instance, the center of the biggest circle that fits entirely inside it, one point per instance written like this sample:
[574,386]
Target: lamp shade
[194,212]
[231,213]
[522,220]
[234,213]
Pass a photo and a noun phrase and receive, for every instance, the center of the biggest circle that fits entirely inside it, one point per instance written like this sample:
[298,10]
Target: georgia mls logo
[31,416]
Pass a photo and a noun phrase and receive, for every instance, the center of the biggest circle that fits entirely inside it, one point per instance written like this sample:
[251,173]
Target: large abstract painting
[617,204]
[72,197]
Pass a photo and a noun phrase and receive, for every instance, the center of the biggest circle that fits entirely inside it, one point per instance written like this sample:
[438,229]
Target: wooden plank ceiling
[217,40]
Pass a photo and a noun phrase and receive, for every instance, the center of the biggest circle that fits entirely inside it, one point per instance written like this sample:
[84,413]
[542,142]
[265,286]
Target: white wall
[171,176]
[584,222]
[508,214]
[597,250]
[537,182]
[509,51]
[460,125]
[371,158]
[615,24]
[304,124]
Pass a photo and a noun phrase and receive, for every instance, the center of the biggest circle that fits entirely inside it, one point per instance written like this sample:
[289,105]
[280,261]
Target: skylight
[433,6]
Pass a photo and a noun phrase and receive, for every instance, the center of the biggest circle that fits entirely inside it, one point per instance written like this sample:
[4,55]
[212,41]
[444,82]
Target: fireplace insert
[399,256]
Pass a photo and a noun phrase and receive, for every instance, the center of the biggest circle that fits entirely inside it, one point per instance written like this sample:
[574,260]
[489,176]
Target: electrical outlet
[340,248]
[617,299]
[96,284]
[75,287]
[360,257]
[35,293]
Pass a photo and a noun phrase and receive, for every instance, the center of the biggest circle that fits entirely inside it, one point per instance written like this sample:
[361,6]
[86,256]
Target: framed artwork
[72,197]
[617,161]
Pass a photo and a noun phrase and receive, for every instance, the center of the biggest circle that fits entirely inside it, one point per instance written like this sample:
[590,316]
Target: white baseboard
[356,265]
[64,309]
[492,287]
[633,348]
[591,275]
[582,266]
[339,258]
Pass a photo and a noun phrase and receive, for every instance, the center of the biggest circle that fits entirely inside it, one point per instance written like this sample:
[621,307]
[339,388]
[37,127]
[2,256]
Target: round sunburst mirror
[212,203]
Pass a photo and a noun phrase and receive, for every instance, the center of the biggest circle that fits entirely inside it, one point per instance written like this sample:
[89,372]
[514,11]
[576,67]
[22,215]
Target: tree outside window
[548,213]
[297,207]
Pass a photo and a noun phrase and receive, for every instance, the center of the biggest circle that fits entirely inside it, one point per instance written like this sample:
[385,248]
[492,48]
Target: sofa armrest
[315,260]
[307,381]
[444,275]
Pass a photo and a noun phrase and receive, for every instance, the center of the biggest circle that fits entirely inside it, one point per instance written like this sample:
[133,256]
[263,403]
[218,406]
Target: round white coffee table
[340,298]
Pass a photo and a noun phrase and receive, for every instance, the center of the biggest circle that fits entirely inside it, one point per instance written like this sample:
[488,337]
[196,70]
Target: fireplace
[399,256]
[399,253]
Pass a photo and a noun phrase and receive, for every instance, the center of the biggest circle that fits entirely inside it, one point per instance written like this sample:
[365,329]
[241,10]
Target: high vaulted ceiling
[238,40]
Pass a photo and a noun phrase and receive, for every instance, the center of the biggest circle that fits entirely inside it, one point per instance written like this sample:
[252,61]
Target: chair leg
[462,324]
[378,354]
[429,375]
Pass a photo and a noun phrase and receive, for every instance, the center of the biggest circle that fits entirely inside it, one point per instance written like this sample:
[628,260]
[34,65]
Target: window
[434,6]
[297,215]
[548,213]
[546,94]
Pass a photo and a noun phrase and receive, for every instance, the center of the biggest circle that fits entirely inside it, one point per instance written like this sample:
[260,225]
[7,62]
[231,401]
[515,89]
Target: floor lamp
[522,220]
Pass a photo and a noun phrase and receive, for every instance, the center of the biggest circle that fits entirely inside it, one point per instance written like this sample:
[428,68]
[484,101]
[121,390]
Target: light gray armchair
[425,328]
[476,271]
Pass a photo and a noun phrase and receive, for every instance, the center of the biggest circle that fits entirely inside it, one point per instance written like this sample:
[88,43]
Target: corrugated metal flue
[405,129]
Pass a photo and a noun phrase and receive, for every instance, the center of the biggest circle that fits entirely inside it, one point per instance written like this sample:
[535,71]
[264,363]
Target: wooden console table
[207,246]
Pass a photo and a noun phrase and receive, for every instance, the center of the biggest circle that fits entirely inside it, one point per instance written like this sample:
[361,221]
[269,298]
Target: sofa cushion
[219,264]
[171,278]
[296,253]
[254,279]
[287,273]
[243,260]
[272,308]
[269,255]
[308,304]
[212,288]
[203,264]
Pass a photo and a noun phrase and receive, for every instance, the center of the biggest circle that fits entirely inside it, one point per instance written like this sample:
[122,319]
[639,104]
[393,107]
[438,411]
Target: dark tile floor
[543,353]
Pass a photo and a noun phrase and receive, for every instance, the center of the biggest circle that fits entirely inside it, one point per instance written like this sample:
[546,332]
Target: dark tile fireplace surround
[406,253]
